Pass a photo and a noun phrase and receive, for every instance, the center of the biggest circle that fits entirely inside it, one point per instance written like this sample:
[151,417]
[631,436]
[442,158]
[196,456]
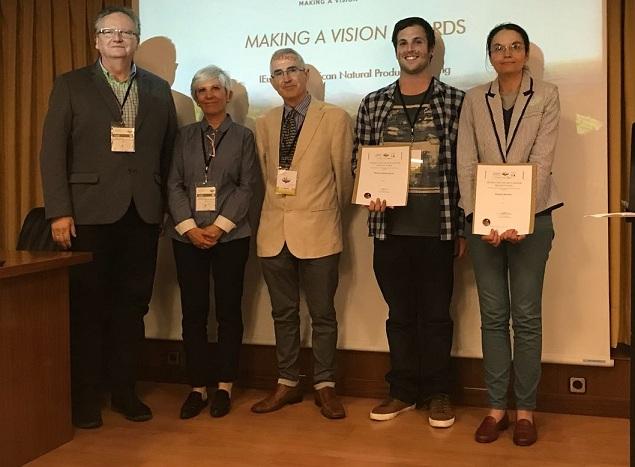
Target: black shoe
[131,407]
[221,404]
[86,408]
[87,416]
[193,405]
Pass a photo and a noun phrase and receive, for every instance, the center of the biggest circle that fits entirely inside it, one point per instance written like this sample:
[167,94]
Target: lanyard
[208,156]
[125,97]
[403,103]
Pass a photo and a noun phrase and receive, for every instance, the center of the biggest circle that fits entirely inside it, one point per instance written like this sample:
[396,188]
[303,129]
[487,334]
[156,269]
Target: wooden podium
[35,410]
[631,208]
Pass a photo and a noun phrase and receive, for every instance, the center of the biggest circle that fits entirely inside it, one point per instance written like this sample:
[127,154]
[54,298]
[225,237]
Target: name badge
[286,182]
[121,139]
[205,198]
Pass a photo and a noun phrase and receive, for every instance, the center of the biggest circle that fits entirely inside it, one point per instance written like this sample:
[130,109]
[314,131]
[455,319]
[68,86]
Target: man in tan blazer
[304,148]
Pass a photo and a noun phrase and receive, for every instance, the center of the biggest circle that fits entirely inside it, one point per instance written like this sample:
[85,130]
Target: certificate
[382,173]
[504,198]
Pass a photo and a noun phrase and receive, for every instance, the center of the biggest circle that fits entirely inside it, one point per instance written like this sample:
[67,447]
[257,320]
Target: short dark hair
[511,27]
[413,21]
[109,10]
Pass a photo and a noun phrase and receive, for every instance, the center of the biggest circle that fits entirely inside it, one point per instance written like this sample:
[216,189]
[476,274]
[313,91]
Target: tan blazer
[532,136]
[309,222]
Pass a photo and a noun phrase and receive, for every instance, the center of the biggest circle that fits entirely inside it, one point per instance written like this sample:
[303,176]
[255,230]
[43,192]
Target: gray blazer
[81,176]
[234,172]
[532,136]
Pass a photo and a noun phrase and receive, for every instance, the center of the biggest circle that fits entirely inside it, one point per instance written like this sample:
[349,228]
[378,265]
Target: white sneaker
[389,409]
[441,413]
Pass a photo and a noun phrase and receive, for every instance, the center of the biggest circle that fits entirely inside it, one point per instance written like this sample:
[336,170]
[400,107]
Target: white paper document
[504,198]
[382,173]
[612,214]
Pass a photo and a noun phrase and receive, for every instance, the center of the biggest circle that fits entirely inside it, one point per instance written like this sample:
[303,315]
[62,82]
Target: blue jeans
[509,279]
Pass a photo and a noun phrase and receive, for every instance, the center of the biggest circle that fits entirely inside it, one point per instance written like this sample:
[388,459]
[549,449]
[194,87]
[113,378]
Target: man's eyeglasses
[516,47]
[292,72]
[111,32]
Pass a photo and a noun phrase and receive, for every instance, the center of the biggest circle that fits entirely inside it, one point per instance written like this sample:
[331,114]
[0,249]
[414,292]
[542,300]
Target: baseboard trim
[361,374]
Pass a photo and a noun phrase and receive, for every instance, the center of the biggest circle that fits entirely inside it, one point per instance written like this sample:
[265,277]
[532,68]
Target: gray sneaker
[389,409]
[441,413]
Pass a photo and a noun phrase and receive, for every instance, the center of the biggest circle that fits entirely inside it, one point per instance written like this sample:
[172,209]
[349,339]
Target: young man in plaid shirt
[415,245]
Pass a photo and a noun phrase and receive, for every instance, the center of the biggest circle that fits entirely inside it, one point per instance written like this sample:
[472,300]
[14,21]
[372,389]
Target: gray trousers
[283,274]
[509,279]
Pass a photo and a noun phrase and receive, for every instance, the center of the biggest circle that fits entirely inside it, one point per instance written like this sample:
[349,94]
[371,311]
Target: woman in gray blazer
[514,119]
[210,186]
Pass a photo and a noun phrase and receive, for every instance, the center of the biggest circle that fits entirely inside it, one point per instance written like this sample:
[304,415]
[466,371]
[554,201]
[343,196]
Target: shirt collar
[205,126]
[389,90]
[301,108]
[109,77]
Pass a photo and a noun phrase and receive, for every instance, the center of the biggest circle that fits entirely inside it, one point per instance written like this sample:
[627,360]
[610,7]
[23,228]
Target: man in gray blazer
[106,147]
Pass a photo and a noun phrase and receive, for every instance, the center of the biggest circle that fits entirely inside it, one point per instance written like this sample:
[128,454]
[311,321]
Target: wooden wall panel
[361,374]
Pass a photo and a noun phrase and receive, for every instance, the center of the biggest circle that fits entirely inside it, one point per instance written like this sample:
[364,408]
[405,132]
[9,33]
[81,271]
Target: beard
[414,69]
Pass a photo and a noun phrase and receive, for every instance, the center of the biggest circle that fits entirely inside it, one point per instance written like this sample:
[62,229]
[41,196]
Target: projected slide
[348,44]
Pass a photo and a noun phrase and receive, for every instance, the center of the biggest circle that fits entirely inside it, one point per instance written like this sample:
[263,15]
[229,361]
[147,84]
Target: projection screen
[347,42]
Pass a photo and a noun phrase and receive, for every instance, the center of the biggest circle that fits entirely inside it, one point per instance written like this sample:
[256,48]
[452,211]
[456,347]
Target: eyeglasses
[515,47]
[292,72]
[111,32]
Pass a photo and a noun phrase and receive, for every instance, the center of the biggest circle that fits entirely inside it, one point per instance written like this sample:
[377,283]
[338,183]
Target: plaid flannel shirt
[445,103]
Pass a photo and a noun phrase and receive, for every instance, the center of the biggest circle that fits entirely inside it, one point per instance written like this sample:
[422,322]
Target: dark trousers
[415,275]
[108,300]
[319,277]
[227,262]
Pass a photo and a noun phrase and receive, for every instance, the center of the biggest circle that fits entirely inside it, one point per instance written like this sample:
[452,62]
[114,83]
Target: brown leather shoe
[330,405]
[489,429]
[525,433]
[281,396]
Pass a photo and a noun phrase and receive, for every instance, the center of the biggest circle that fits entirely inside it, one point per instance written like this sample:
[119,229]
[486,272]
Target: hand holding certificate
[382,174]
[504,198]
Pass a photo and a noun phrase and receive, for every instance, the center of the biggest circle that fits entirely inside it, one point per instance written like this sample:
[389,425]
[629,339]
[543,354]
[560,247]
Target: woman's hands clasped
[495,239]
[204,238]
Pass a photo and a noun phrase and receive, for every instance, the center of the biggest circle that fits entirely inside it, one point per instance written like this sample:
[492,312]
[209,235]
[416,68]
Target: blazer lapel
[309,127]
[275,126]
[525,94]
[143,91]
[106,92]
[495,107]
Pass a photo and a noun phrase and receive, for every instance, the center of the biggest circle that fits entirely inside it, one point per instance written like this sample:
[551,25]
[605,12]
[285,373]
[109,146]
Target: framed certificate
[504,198]
[382,173]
